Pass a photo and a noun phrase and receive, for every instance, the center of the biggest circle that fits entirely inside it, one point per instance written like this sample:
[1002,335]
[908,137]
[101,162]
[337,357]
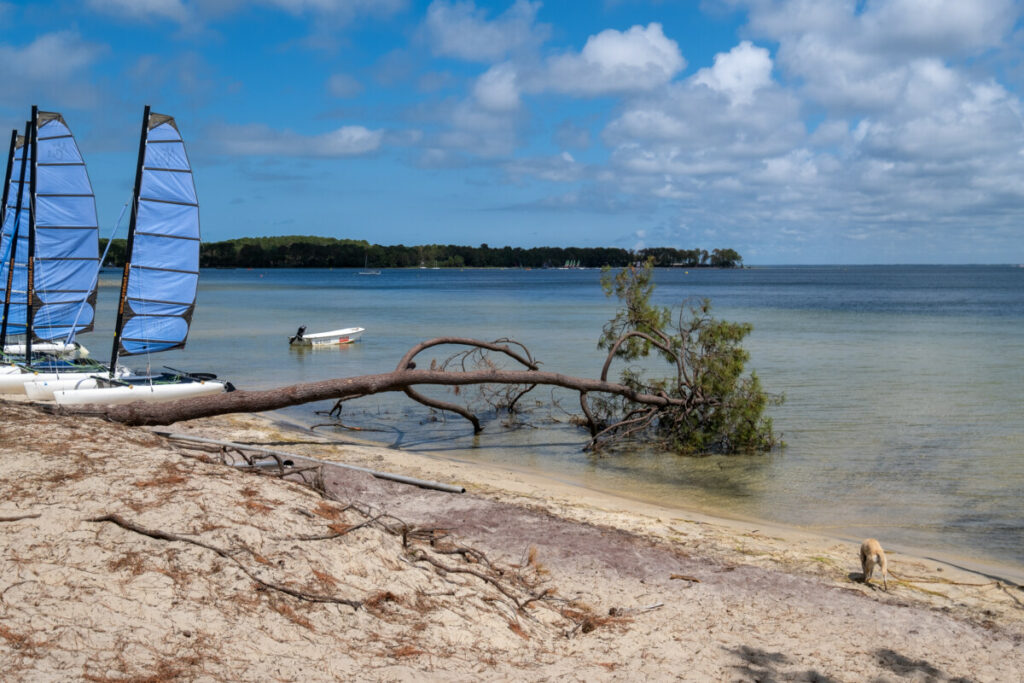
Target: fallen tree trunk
[140,413]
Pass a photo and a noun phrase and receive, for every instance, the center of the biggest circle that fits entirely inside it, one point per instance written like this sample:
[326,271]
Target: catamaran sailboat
[161,275]
[50,255]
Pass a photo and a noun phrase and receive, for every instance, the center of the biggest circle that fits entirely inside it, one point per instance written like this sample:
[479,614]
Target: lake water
[904,413]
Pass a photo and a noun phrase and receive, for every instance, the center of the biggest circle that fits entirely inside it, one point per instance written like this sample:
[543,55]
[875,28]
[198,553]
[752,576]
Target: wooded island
[307,251]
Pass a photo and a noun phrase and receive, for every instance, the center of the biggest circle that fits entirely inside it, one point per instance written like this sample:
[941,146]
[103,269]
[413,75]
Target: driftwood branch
[419,555]
[18,518]
[161,535]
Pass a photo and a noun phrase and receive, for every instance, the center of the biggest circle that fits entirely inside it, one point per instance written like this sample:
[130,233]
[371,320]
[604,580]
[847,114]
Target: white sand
[83,599]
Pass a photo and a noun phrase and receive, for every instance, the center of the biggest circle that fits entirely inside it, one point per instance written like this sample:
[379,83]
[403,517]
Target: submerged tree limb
[445,405]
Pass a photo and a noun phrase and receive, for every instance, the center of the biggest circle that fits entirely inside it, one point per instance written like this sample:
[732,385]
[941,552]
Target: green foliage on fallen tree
[720,409]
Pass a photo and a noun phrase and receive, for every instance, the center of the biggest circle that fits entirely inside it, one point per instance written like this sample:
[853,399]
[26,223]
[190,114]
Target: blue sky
[794,131]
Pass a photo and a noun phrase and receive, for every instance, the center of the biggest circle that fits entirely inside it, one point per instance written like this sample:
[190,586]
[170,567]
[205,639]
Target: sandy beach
[129,556]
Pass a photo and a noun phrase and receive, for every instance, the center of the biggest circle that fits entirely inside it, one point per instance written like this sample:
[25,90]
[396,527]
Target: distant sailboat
[161,274]
[366,270]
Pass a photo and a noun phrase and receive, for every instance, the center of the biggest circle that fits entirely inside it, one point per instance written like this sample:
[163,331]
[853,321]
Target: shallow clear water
[904,413]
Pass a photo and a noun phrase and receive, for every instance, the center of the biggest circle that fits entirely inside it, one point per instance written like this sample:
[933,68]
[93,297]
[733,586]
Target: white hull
[42,389]
[53,348]
[17,382]
[150,393]
[332,338]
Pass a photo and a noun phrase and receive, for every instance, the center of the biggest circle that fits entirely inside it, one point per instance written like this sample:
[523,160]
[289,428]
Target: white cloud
[856,57]
[460,30]
[831,132]
[691,129]
[51,56]
[497,89]
[978,124]
[486,124]
[639,59]
[738,73]
[258,139]
[937,27]
[562,168]
[479,131]
[916,135]
[54,64]
[343,85]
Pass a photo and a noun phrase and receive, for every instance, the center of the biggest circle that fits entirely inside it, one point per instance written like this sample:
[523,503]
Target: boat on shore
[331,338]
[43,377]
[166,386]
[160,278]
[50,256]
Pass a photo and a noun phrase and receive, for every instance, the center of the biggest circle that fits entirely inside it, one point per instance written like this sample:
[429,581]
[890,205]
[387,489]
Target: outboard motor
[298,335]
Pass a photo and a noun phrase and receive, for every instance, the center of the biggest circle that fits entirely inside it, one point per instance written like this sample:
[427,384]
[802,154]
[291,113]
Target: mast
[7,176]
[119,325]
[14,235]
[30,290]
[16,226]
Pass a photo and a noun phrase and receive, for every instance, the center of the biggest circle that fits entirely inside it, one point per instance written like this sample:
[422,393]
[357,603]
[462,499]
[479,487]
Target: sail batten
[162,275]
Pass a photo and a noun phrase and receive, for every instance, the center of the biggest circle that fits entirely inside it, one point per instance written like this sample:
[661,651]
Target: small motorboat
[332,338]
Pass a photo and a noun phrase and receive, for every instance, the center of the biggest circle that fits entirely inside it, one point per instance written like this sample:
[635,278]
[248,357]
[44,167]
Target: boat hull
[150,393]
[14,383]
[332,338]
[53,348]
[17,382]
[42,389]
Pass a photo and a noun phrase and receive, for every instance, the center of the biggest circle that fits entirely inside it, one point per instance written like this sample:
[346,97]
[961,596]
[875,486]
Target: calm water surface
[904,413]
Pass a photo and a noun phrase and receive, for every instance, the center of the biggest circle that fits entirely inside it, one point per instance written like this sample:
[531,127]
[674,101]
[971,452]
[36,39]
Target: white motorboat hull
[150,393]
[332,338]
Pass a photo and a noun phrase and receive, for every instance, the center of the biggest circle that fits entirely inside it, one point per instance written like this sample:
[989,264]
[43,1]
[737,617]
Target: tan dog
[872,555]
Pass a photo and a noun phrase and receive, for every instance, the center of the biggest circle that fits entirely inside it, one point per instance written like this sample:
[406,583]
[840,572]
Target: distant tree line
[301,251]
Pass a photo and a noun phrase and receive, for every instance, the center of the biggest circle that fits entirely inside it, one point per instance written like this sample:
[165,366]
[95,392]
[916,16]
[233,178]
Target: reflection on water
[904,416]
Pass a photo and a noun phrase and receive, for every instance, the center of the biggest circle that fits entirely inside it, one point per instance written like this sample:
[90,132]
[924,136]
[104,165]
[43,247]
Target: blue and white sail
[66,257]
[162,269]
[14,243]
